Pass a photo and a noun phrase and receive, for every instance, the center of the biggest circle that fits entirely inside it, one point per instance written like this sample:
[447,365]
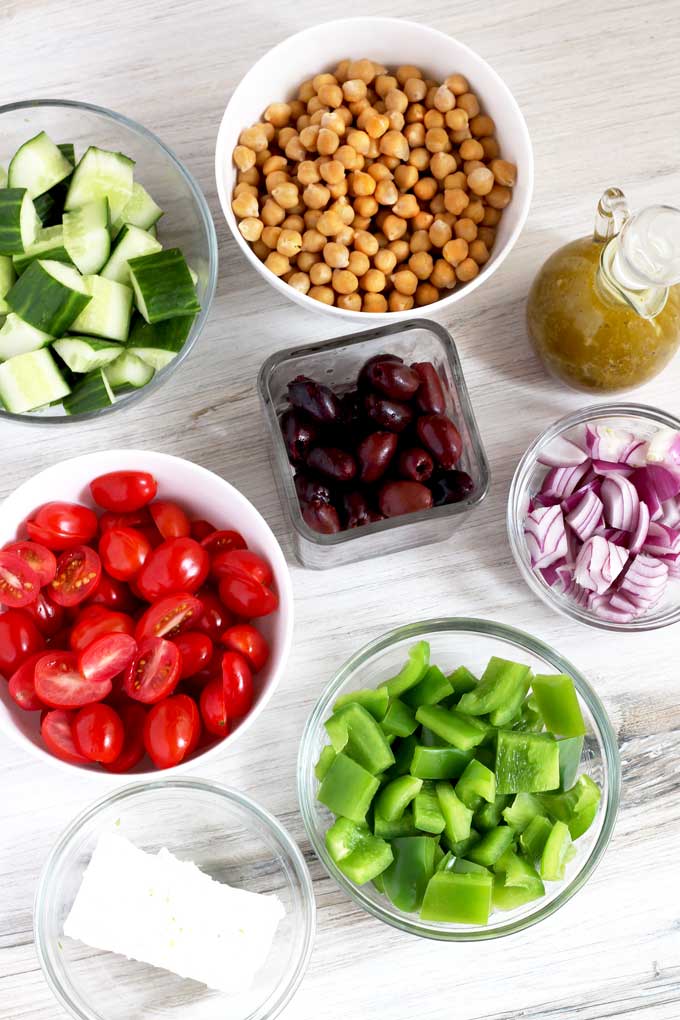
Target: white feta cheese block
[168,913]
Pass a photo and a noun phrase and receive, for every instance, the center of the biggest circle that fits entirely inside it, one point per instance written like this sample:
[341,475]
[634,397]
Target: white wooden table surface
[598,82]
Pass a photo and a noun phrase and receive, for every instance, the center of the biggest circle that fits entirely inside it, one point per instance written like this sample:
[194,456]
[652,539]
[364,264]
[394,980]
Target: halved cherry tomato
[22,685]
[133,716]
[78,573]
[197,734]
[113,594]
[237,682]
[170,519]
[170,730]
[178,565]
[154,671]
[60,684]
[213,709]
[196,650]
[19,583]
[151,534]
[169,616]
[242,561]
[223,541]
[194,684]
[107,656]
[247,597]
[98,733]
[49,618]
[93,622]
[248,642]
[215,617]
[38,557]
[66,524]
[123,490]
[56,731]
[19,638]
[201,530]
[135,519]
[123,552]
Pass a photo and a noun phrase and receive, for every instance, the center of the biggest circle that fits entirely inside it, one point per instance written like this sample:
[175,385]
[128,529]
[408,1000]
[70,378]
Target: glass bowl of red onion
[594,517]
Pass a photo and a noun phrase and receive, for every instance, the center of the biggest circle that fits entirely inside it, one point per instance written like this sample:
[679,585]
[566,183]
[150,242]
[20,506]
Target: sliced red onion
[539,500]
[617,600]
[621,502]
[662,540]
[605,610]
[646,490]
[615,535]
[641,531]
[586,515]
[565,575]
[606,443]
[599,563]
[572,501]
[581,596]
[562,453]
[635,454]
[671,513]
[664,448]
[551,573]
[546,537]
[645,581]
[608,467]
[561,481]
[665,482]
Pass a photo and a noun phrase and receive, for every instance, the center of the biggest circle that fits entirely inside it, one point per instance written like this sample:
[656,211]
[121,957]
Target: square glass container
[336,363]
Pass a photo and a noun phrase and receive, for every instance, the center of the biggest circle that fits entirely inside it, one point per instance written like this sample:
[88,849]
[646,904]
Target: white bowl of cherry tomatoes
[146,613]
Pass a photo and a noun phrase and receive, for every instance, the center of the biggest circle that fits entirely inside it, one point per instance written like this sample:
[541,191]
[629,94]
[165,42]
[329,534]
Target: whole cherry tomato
[178,565]
[154,671]
[60,684]
[67,524]
[170,519]
[78,573]
[56,731]
[22,685]
[107,656]
[48,616]
[93,622]
[19,583]
[98,733]
[135,519]
[38,557]
[201,530]
[237,682]
[213,709]
[196,650]
[223,541]
[247,597]
[215,617]
[170,615]
[248,642]
[241,561]
[133,716]
[123,552]
[113,594]
[170,729]
[123,491]
[19,638]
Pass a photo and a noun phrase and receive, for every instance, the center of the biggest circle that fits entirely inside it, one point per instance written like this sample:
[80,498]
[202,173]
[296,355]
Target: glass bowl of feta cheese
[174,899]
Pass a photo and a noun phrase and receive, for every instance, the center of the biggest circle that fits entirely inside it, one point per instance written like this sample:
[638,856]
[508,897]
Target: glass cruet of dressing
[604,311]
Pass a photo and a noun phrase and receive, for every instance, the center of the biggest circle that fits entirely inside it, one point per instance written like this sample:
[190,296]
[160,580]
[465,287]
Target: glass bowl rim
[521,640]
[133,790]
[127,399]
[292,505]
[514,521]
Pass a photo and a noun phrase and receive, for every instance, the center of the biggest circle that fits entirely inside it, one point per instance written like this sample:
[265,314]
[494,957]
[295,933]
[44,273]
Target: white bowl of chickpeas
[374,184]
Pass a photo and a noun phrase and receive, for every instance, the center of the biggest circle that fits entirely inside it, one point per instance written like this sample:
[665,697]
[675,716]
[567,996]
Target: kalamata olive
[441,437]
[351,410]
[310,489]
[374,454]
[415,464]
[392,378]
[299,435]
[451,487]
[321,517]
[318,401]
[363,380]
[332,462]
[388,414]
[356,511]
[404,498]
[430,397]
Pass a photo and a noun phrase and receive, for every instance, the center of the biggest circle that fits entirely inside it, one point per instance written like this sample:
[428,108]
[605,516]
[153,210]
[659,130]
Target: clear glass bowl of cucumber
[108,261]
[470,644]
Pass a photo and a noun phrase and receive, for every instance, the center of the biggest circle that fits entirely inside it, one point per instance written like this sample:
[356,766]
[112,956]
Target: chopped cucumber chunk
[49,244]
[90,394]
[163,286]
[7,277]
[101,174]
[38,165]
[50,295]
[128,371]
[139,211]
[131,242]
[31,380]
[86,235]
[19,337]
[108,313]
[19,222]
[85,353]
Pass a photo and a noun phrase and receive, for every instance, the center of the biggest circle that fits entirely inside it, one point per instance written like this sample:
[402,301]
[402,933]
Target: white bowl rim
[286,607]
[331,310]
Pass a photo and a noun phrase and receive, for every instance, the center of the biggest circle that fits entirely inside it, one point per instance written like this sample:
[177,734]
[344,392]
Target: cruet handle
[612,214]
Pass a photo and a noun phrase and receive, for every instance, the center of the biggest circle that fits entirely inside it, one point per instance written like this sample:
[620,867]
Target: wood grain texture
[598,83]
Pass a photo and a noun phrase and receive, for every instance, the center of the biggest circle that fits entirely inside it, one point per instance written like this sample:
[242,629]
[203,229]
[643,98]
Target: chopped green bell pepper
[439,762]
[524,808]
[326,759]
[530,719]
[498,686]
[458,898]
[374,700]
[408,875]
[526,762]
[457,817]
[461,848]
[430,739]
[399,720]
[460,731]
[570,749]
[446,863]
[347,789]
[555,851]
[491,846]
[394,798]
[404,826]
[519,883]
[462,681]
[356,851]
[365,742]
[379,883]
[432,689]
[558,702]
[511,710]
[577,806]
[488,816]
[463,867]
[476,784]
[403,756]
[534,837]
[426,811]
[412,672]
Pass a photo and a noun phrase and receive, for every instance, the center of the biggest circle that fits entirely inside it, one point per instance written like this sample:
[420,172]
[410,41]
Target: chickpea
[482,125]
[406,207]
[306,259]
[419,241]
[303,121]
[394,227]
[475,210]
[358,263]
[275,178]
[426,294]
[400,248]
[262,157]
[327,142]
[457,84]
[361,183]
[320,274]
[384,83]
[289,243]
[251,228]
[473,164]
[345,211]
[433,119]
[316,196]
[491,148]
[415,89]
[457,180]
[285,135]
[469,102]
[365,242]
[245,189]
[330,94]
[286,195]
[421,264]
[359,141]
[324,78]
[295,150]
[443,275]
[406,176]
[467,270]
[442,164]
[439,233]
[386,192]
[455,201]
[393,143]
[311,218]
[376,124]
[464,228]
[351,302]
[345,236]
[244,157]
[354,89]
[260,249]
[361,222]
[254,138]
[278,114]
[365,205]
[373,281]
[423,221]
[400,302]
[306,91]
[479,252]
[300,281]
[444,99]
[456,120]
[415,113]
[405,281]
[498,197]
[425,189]
[481,181]
[270,236]
[471,149]
[330,223]
[245,206]
[323,294]
[505,173]
[279,264]
[336,255]
[308,173]
[487,235]
[455,251]
[419,159]
[385,260]
[293,222]
[333,122]
[297,108]
[333,172]
[349,158]
[309,137]
[274,164]
[341,70]
[437,140]
[406,71]
[356,109]
[374,303]
[380,172]
[344,281]
[363,69]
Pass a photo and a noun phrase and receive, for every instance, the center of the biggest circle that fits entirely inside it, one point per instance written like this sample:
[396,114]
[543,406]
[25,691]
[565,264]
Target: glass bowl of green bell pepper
[452,807]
